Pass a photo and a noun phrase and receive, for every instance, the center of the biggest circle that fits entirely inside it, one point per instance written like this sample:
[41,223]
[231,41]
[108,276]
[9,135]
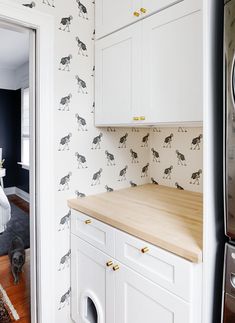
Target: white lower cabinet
[92,284]
[135,283]
[139,300]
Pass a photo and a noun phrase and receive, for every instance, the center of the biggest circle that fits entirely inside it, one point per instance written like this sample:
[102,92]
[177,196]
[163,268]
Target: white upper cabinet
[151,72]
[173,65]
[151,6]
[111,15]
[118,62]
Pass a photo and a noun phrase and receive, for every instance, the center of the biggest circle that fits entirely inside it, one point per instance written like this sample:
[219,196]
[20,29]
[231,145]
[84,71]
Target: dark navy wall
[10,139]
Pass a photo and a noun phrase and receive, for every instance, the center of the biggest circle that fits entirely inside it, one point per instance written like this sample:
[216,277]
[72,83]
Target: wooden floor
[23,205]
[18,294]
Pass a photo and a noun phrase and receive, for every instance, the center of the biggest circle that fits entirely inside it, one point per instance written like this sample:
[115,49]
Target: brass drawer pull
[116,267]
[143,10]
[145,250]
[141,118]
[136,14]
[136,118]
[109,263]
[88,222]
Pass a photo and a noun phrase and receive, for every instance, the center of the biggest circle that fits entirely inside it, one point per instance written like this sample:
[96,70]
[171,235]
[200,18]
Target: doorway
[42,242]
[17,133]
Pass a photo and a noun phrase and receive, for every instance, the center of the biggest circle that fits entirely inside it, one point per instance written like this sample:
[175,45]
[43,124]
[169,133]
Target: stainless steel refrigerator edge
[228,308]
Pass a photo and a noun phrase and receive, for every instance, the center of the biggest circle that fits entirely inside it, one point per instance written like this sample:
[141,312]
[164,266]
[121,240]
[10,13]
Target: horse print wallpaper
[92,160]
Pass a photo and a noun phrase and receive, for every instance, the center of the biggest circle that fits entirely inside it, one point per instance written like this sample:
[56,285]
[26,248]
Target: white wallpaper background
[91,160]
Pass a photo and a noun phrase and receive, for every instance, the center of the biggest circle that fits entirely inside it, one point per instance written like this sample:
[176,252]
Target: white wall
[22,76]
[14,79]
[7,79]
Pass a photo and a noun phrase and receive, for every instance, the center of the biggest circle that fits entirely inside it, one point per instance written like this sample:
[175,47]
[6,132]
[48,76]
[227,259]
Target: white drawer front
[165,269]
[96,233]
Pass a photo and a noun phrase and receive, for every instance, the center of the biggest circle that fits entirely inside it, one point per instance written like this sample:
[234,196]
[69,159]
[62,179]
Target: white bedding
[5,210]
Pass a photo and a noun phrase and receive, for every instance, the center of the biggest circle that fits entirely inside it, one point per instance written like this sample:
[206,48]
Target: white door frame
[43,241]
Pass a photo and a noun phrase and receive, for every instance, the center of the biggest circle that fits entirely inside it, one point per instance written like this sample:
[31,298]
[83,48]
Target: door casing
[41,171]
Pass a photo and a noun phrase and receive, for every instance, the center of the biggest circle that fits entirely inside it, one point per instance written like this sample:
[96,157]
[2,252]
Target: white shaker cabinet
[139,300]
[137,282]
[117,84]
[93,284]
[173,65]
[111,15]
[151,6]
[151,73]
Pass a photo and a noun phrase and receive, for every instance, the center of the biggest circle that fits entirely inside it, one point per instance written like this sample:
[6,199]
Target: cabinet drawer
[93,231]
[165,269]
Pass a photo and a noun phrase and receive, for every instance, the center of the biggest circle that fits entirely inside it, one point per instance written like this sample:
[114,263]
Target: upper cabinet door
[111,15]
[151,6]
[173,64]
[118,77]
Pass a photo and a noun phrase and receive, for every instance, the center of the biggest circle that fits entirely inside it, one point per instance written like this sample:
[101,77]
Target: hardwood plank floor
[18,294]
[22,204]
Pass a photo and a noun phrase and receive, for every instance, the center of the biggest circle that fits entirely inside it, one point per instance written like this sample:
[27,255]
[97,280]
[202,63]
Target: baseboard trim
[17,191]
[10,190]
[24,195]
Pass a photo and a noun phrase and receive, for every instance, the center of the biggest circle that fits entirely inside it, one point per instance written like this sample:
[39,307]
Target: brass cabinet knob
[143,10]
[145,250]
[87,221]
[116,267]
[141,118]
[136,14]
[109,263]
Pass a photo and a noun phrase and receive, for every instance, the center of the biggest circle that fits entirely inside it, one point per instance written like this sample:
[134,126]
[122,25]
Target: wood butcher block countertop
[166,217]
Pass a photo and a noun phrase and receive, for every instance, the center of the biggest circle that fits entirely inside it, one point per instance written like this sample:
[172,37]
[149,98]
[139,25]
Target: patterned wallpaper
[176,157]
[91,160]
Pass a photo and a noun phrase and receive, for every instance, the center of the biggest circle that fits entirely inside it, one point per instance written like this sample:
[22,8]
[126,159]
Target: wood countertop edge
[192,256]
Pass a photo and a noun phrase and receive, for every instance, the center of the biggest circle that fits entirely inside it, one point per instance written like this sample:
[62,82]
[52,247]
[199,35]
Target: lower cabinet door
[92,284]
[139,300]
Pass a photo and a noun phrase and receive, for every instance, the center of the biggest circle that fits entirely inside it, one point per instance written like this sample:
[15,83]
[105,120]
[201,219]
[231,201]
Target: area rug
[7,310]
[17,226]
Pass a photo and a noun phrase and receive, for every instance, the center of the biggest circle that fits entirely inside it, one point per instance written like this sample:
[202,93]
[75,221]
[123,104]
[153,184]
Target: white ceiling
[14,49]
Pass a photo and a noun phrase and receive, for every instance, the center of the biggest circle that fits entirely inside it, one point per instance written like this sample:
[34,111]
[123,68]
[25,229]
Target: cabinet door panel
[91,284]
[118,72]
[154,6]
[173,65]
[112,15]
[154,303]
